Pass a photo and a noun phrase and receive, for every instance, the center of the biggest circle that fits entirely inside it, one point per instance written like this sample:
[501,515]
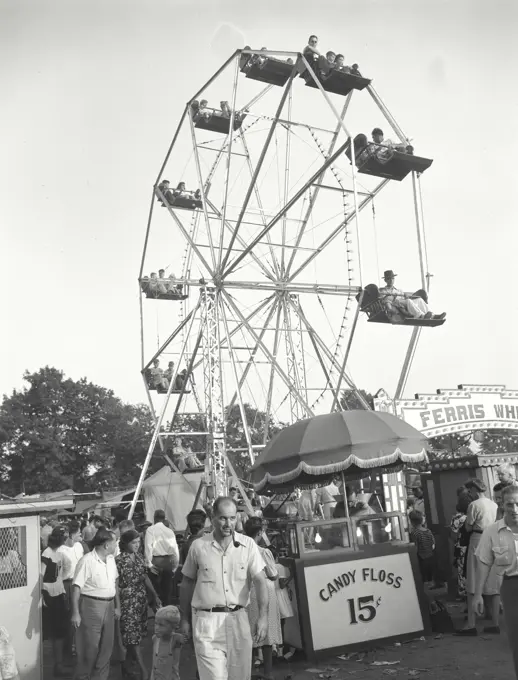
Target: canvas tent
[170,491]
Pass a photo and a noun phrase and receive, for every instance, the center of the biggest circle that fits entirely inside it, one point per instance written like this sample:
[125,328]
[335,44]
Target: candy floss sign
[361,600]
[468,408]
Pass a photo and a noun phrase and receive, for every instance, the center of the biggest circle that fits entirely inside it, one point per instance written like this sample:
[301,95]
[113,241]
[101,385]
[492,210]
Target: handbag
[440,619]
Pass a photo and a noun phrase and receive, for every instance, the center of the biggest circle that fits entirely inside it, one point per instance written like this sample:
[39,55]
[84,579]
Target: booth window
[13,557]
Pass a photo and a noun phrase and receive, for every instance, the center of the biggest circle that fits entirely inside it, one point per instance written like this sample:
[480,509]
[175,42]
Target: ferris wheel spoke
[254,351]
[275,263]
[229,159]
[318,185]
[285,209]
[260,162]
[184,231]
[268,408]
[242,242]
[268,354]
[202,185]
[187,377]
[331,237]
[325,349]
[230,348]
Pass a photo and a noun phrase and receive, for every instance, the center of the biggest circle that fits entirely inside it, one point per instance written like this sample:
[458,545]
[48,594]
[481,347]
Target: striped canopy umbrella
[350,442]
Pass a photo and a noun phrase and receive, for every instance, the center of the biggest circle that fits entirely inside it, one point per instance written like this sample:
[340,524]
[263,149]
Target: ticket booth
[20,599]
[440,483]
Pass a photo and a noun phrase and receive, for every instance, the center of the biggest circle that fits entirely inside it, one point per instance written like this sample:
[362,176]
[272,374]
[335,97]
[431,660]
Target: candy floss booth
[20,599]
[356,578]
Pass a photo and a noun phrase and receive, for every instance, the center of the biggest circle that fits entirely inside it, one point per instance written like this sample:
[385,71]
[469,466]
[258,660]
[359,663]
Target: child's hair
[170,614]
[416,517]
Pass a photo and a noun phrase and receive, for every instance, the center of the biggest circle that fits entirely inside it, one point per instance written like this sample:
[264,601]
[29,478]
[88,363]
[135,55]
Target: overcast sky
[92,92]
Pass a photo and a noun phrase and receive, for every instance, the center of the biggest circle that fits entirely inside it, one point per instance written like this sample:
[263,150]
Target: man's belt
[477,531]
[101,599]
[221,610]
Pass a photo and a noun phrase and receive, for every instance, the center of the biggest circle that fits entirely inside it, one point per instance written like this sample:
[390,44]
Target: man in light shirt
[162,556]
[95,606]
[325,496]
[481,514]
[215,591]
[498,549]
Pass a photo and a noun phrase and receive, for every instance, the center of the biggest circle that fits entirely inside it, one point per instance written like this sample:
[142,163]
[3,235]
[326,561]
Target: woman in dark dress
[134,586]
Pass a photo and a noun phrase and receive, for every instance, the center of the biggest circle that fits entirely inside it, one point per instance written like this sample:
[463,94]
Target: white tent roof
[172,492]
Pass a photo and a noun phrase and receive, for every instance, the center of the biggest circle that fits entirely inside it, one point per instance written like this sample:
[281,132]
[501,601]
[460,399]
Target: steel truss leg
[215,464]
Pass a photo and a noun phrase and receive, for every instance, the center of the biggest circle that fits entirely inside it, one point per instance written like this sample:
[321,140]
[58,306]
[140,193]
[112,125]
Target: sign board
[356,601]
[467,408]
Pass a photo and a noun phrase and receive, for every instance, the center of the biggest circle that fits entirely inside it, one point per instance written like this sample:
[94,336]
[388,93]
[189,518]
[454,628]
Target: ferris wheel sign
[364,596]
[467,408]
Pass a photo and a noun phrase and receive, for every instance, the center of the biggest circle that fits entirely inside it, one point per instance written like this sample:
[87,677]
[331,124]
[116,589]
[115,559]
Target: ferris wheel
[253,273]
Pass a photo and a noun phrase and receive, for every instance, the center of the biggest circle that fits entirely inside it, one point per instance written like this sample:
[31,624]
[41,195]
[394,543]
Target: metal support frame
[215,465]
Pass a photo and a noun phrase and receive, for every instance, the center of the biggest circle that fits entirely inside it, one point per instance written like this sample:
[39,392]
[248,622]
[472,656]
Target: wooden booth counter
[356,584]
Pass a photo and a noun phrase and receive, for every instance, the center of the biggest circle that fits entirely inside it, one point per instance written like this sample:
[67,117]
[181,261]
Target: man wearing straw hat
[399,304]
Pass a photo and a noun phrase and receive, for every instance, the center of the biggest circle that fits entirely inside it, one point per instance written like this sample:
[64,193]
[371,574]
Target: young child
[425,544]
[283,598]
[167,644]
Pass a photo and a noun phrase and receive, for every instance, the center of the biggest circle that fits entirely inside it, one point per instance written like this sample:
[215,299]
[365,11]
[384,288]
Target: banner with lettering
[361,600]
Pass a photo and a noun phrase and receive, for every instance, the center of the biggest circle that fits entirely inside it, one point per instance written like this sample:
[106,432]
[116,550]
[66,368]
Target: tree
[349,400]
[58,433]
[236,437]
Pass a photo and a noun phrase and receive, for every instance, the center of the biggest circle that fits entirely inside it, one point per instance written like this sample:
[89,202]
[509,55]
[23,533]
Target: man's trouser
[223,644]
[163,581]
[509,595]
[94,638]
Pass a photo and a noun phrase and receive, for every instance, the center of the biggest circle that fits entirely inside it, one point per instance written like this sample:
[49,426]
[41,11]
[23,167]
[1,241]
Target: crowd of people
[103,580]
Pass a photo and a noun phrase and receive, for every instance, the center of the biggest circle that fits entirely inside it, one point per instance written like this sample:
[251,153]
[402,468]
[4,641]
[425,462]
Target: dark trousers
[163,581]
[509,595]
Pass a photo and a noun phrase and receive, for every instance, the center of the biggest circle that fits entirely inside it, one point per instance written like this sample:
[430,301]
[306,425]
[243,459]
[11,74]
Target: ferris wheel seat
[374,308]
[151,295]
[268,70]
[162,391]
[397,167]
[220,123]
[337,82]
[186,202]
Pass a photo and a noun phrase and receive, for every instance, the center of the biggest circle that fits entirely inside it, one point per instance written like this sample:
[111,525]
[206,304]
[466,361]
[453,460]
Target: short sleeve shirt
[497,547]
[481,513]
[96,578]
[223,577]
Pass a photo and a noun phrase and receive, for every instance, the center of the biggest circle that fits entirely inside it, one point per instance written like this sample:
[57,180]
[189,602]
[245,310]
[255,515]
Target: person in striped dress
[425,545]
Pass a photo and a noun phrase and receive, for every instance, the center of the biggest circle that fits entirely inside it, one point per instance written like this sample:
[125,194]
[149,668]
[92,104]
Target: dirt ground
[435,658]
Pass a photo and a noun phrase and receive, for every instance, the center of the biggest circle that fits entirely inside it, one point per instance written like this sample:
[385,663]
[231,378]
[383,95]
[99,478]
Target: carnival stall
[356,579]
